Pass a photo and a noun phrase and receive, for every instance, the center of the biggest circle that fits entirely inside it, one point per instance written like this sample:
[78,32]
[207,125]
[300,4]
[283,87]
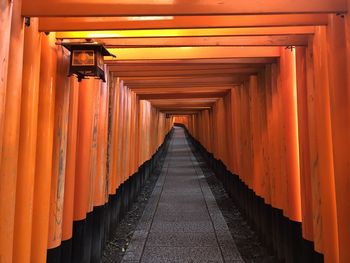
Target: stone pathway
[182,222]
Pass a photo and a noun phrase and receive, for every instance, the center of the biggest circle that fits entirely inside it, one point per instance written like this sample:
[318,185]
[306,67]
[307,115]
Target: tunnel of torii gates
[262,86]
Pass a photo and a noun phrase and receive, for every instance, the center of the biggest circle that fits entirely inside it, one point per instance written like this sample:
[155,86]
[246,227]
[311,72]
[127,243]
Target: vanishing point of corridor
[182,222]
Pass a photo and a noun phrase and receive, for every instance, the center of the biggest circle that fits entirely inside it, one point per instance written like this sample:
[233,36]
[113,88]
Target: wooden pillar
[93,157]
[69,182]
[114,89]
[27,144]
[42,184]
[84,147]
[304,145]
[10,133]
[291,143]
[321,150]
[257,170]
[278,184]
[101,158]
[340,113]
[59,150]
[5,34]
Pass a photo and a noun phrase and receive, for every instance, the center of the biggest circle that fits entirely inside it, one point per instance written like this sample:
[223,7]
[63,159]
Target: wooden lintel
[96,8]
[49,24]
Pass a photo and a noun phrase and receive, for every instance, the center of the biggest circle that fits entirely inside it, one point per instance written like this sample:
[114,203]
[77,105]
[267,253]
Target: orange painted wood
[267,135]
[324,206]
[204,7]
[93,156]
[121,136]
[48,24]
[83,181]
[192,53]
[59,150]
[27,144]
[339,91]
[304,145]
[235,131]
[69,182]
[44,148]
[278,183]
[5,33]
[115,93]
[290,120]
[10,134]
[101,181]
[257,157]
[262,102]
[207,41]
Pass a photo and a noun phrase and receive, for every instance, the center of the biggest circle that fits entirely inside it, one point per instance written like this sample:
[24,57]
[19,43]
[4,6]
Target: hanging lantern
[87,59]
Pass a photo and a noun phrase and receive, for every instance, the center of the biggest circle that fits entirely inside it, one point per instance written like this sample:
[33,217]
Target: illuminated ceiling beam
[276,40]
[97,8]
[192,53]
[167,96]
[246,31]
[183,108]
[183,72]
[183,81]
[180,112]
[184,89]
[49,24]
[199,61]
[135,67]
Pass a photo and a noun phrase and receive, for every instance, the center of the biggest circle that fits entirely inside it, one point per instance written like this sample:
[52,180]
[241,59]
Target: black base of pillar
[91,234]
[281,236]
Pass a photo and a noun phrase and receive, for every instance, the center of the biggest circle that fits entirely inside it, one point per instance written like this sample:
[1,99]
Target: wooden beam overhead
[49,24]
[192,53]
[135,67]
[183,108]
[200,81]
[96,8]
[198,61]
[180,112]
[167,96]
[173,73]
[204,32]
[274,40]
[180,90]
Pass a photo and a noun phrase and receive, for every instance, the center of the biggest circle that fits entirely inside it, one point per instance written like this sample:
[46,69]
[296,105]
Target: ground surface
[187,218]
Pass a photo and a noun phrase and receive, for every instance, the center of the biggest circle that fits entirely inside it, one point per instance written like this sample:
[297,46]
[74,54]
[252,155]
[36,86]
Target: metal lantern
[87,59]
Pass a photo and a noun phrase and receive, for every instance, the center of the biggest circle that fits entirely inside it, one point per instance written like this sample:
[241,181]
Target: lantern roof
[95,45]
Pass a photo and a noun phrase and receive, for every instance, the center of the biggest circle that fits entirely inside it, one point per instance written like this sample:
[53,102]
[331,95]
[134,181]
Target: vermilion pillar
[291,143]
[304,144]
[100,191]
[321,150]
[27,144]
[340,113]
[59,150]
[5,31]
[84,147]
[69,182]
[10,134]
[114,90]
[43,168]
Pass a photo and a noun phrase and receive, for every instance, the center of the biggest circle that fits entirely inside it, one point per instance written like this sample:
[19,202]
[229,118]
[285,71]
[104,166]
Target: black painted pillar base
[282,236]
[91,234]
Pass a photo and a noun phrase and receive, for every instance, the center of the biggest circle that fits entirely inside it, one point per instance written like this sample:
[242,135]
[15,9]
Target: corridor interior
[182,222]
[96,94]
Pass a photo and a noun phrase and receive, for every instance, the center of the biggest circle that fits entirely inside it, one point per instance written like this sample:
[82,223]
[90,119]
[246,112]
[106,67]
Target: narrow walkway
[182,222]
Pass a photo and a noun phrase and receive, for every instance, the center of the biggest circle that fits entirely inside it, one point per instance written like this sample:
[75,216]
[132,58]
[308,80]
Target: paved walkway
[182,222]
